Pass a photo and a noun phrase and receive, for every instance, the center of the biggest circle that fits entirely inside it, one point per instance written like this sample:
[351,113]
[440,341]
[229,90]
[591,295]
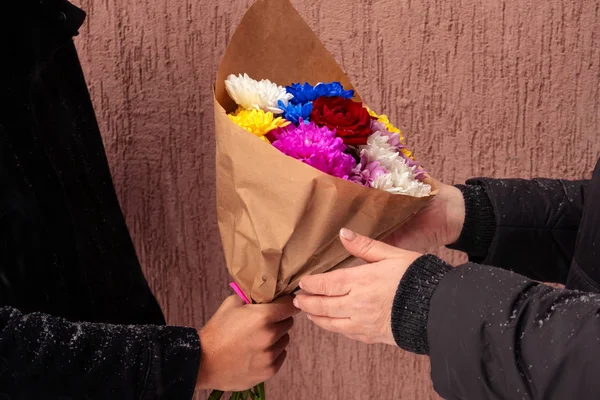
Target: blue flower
[303,93]
[335,89]
[295,112]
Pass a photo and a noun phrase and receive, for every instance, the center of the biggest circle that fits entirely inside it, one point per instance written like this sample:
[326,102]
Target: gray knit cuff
[480,223]
[410,310]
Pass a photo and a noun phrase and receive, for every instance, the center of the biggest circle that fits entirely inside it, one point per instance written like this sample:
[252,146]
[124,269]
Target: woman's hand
[357,302]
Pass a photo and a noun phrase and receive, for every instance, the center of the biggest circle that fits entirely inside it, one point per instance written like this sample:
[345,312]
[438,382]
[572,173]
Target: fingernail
[301,286]
[296,304]
[309,316]
[347,234]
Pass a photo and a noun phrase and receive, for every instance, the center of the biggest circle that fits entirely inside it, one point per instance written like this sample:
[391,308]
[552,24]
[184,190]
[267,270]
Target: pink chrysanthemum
[317,147]
[394,141]
[366,172]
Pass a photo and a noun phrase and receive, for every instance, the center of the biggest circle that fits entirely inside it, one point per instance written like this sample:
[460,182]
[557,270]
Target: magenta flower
[317,147]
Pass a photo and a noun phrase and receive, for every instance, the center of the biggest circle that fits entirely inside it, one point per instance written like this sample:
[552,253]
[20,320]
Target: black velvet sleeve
[46,357]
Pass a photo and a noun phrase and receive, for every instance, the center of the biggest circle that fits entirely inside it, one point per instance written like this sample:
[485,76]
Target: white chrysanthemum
[256,95]
[378,149]
[400,178]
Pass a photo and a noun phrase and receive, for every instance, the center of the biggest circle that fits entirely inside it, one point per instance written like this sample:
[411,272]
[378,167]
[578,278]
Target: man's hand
[244,344]
[357,302]
[439,224]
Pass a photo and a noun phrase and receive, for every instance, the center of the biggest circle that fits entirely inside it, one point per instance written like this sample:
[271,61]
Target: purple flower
[418,171]
[317,147]
[366,172]
[393,140]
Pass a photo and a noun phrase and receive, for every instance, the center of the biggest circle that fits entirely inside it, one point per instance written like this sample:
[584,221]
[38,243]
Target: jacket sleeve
[526,226]
[43,356]
[496,335]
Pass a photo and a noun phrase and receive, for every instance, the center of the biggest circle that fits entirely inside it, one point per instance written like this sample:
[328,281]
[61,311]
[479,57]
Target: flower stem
[259,390]
[215,395]
[257,394]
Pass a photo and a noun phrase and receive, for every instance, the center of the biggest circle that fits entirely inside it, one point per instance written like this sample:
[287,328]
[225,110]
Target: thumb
[281,308]
[365,248]
[232,301]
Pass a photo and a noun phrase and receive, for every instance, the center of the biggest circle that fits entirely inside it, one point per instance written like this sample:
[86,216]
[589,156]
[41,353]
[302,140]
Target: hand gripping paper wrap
[279,218]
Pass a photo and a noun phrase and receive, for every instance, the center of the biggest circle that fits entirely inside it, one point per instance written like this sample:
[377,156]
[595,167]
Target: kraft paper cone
[279,218]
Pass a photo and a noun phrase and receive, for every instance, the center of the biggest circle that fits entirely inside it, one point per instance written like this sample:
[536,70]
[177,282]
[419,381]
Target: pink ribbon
[239,292]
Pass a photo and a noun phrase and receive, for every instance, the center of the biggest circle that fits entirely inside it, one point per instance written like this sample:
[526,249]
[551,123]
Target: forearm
[46,356]
[490,331]
[526,226]
[519,336]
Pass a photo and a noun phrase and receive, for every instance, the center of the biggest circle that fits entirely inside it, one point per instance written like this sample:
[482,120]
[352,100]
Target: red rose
[350,119]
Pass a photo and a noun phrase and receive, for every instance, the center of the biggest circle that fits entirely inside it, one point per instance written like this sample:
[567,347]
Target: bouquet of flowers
[298,157]
[323,127]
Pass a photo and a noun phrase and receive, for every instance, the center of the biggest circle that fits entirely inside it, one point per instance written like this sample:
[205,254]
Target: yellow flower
[407,153]
[386,121]
[257,122]
[391,128]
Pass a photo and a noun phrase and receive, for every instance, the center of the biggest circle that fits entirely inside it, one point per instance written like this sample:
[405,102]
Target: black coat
[65,252]
[494,334]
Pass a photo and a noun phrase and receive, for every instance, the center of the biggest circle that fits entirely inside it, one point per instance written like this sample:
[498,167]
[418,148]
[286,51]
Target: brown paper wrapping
[279,218]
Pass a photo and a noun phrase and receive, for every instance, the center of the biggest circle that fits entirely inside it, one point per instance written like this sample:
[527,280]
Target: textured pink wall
[480,87]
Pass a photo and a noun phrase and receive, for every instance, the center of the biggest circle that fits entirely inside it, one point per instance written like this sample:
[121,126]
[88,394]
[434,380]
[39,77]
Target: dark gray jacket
[493,332]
